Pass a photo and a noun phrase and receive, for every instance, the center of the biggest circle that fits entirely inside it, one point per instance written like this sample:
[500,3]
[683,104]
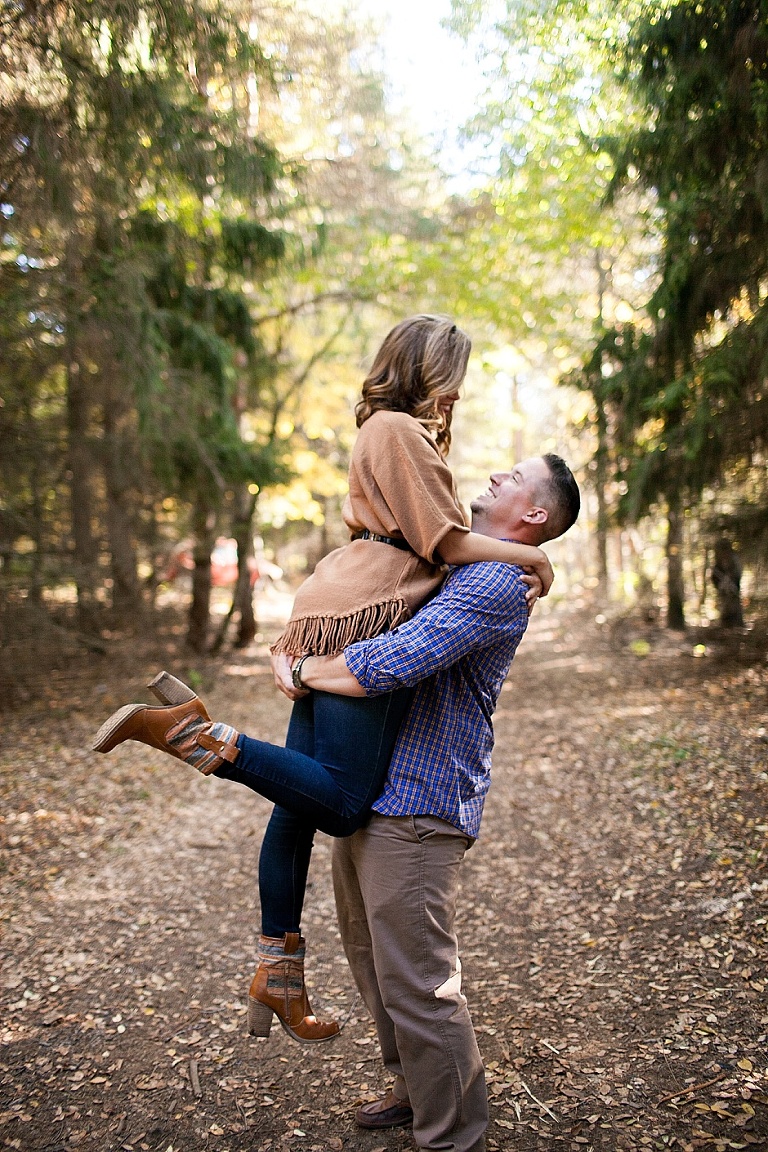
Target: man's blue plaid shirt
[458,650]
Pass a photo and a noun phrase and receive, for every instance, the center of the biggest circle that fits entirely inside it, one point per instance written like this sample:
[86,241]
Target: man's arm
[480,605]
[327,673]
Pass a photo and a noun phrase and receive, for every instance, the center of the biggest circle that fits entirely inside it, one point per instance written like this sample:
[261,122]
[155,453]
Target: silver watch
[296,672]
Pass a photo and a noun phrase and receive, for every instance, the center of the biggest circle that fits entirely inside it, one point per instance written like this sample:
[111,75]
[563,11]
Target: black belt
[395,541]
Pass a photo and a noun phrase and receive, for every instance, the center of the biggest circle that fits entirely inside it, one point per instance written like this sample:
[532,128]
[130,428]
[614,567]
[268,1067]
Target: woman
[406,524]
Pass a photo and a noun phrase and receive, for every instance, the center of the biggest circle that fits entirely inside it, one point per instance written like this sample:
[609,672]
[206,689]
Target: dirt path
[613,922]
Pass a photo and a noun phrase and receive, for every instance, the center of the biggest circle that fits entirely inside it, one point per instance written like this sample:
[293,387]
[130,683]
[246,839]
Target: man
[396,880]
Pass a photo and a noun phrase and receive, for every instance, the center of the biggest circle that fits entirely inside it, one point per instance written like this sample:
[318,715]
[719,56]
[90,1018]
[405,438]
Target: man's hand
[282,664]
[326,673]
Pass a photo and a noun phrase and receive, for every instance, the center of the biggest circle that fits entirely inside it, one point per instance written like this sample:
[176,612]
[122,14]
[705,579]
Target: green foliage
[665,103]
[138,201]
[248,246]
[689,395]
[540,235]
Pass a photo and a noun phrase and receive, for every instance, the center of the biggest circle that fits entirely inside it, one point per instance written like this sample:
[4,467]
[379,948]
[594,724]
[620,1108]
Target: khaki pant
[396,884]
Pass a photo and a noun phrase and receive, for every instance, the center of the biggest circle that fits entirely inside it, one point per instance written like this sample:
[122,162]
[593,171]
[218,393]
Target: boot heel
[259,1018]
[108,736]
[169,690]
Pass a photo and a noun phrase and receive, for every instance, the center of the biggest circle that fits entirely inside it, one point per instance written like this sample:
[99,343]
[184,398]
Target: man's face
[508,508]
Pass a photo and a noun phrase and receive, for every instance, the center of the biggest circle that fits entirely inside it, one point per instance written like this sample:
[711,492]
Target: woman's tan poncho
[399,486]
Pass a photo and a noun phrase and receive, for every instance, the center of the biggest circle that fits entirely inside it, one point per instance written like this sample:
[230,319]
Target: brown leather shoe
[278,989]
[389,1112]
[184,731]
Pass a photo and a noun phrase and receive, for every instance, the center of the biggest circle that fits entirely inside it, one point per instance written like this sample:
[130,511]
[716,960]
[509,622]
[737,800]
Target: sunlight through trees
[211,214]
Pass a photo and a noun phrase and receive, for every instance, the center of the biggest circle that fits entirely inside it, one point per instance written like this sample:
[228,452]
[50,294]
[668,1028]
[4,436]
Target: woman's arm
[459,547]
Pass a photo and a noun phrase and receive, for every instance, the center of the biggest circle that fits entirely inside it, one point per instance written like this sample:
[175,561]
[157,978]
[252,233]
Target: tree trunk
[126,592]
[127,600]
[78,408]
[601,480]
[674,551]
[243,533]
[36,528]
[81,496]
[602,269]
[242,593]
[204,525]
[726,577]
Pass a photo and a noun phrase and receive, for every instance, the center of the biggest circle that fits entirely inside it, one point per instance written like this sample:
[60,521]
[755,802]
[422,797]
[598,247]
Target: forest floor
[612,923]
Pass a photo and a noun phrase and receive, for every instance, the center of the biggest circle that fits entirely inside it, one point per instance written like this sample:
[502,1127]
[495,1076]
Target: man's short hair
[560,496]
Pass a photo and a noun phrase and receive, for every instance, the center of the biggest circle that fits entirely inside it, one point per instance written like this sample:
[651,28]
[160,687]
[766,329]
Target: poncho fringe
[329,635]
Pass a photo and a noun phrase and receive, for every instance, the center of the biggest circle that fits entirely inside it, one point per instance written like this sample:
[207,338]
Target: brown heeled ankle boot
[278,987]
[185,731]
[170,690]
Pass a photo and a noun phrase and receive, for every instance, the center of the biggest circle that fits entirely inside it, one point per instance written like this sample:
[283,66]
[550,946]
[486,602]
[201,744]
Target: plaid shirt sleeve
[478,606]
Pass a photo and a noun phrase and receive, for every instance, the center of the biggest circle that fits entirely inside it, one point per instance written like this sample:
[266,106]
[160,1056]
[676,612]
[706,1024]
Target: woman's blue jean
[331,770]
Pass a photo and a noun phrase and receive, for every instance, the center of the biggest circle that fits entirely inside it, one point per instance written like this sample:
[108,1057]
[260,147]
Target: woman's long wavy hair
[420,360]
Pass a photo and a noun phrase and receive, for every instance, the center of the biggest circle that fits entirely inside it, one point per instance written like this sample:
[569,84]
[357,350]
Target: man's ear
[536,516]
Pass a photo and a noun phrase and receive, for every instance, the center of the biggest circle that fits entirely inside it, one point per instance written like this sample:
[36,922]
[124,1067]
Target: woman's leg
[357,744]
[317,725]
[354,738]
[286,849]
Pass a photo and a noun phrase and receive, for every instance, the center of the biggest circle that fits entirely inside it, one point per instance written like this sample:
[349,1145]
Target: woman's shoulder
[384,417]
[393,425]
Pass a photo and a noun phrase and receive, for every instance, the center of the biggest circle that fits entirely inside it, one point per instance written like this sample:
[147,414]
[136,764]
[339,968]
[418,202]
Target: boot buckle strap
[228,752]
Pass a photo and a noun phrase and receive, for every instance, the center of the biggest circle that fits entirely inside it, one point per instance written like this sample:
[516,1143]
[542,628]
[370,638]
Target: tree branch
[341,295]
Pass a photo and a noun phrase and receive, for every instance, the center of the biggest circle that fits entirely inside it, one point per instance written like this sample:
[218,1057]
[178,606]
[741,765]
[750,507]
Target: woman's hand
[543,570]
[282,664]
[535,588]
